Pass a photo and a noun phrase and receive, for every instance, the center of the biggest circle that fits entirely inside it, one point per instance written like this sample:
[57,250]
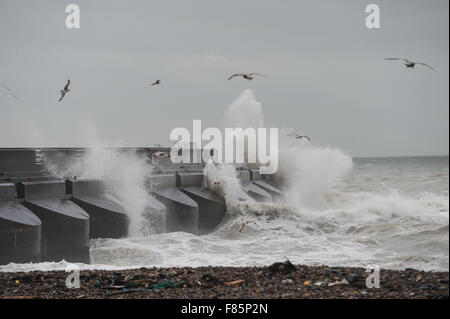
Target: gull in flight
[300,136]
[248,76]
[10,91]
[65,90]
[157,82]
[160,154]
[410,64]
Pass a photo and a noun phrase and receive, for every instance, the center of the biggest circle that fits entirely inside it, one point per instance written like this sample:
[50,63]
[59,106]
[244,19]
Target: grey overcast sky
[328,77]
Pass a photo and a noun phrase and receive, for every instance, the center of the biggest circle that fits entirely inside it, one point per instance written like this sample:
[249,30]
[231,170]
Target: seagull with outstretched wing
[297,136]
[248,76]
[410,64]
[157,82]
[64,91]
[302,136]
[10,91]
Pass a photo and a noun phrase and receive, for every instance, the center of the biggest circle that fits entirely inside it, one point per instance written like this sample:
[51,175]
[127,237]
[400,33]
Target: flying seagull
[65,90]
[160,154]
[157,82]
[410,64]
[248,76]
[10,91]
[300,137]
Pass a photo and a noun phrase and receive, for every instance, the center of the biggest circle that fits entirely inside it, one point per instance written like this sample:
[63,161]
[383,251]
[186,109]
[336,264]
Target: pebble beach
[279,280]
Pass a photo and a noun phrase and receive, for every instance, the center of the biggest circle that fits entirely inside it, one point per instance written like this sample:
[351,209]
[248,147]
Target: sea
[386,212]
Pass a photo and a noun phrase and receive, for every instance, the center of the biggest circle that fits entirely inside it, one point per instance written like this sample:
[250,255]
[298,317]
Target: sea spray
[222,180]
[309,172]
[124,171]
[245,112]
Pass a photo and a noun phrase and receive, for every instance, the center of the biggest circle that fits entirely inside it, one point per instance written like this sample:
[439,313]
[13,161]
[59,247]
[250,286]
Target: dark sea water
[388,212]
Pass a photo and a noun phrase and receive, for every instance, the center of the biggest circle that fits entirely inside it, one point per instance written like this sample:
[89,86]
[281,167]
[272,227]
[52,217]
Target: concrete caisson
[212,208]
[65,226]
[108,218]
[20,229]
[182,211]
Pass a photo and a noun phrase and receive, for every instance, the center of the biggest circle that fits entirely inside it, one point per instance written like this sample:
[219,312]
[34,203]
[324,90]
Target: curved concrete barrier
[182,211]
[252,190]
[270,188]
[211,207]
[108,218]
[257,179]
[20,230]
[256,192]
[271,182]
[65,226]
[160,181]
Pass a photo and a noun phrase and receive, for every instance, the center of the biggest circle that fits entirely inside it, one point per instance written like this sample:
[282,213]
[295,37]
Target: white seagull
[410,64]
[248,76]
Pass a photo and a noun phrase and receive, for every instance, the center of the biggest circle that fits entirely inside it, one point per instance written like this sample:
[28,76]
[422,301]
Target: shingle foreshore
[280,280]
